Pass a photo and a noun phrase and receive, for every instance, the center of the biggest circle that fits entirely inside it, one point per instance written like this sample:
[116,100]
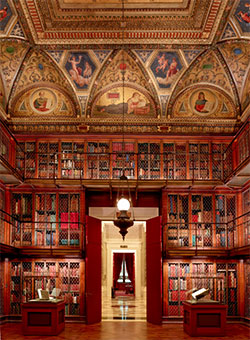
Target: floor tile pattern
[122,330]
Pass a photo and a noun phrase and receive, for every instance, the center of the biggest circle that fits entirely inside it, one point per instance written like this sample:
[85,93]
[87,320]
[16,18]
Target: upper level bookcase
[107,159]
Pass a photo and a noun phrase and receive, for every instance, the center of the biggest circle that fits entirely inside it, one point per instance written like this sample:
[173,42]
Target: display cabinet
[168,160]
[45,219]
[217,159]
[246,218]
[225,211]
[202,220]
[47,160]
[177,226]
[69,282]
[230,289]
[199,160]
[2,207]
[123,159]
[15,288]
[27,277]
[26,158]
[177,287]
[69,218]
[182,277]
[22,208]
[149,161]
[98,160]
[72,159]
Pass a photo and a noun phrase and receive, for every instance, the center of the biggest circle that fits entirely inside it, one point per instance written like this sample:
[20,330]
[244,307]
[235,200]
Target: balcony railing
[40,234]
[233,234]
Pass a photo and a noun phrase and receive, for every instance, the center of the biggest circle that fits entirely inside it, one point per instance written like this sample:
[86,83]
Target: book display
[29,276]
[123,159]
[202,218]
[225,211]
[217,164]
[149,159]
[199,160]
[98,160]
[186,277]
[229,272]
[47,160]
[45,219]
[246,218]
[69,218]
[22,207]
[26,158]
[177,226]
[72,160]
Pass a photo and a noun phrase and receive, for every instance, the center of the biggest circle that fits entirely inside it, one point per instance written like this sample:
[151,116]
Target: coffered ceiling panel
[74,22]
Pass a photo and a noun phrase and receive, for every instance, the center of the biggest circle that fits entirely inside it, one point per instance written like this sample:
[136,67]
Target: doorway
[123,273]
[129,307]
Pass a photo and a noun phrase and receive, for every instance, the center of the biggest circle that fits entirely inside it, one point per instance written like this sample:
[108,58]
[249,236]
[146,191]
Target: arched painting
[166,67]
[80,67]
[135,103]
[203,102]
[43,101]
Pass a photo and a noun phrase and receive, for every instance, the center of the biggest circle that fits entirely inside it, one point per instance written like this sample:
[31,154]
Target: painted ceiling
[157,66]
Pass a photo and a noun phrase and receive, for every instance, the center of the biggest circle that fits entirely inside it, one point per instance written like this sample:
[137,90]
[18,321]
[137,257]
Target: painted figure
[200,103]
[3,13]
[135,102]
[162,64]
[172,68]
[81,77]
[245,16]
[41,102]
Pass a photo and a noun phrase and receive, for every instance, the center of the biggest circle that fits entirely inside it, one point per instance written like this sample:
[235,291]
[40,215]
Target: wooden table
[204,319]
[43,317]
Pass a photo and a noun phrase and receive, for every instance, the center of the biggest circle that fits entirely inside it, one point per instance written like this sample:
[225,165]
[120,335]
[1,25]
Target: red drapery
[117,265]
[129,258]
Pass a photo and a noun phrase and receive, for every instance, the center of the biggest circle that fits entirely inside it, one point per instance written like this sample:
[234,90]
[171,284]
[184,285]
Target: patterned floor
[122,330]
[123,308]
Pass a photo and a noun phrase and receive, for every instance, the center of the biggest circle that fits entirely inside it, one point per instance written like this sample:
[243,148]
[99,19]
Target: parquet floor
[122,330]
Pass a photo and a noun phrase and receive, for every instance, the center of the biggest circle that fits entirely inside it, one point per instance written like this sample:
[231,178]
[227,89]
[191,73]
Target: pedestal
[204,319]
[43,318]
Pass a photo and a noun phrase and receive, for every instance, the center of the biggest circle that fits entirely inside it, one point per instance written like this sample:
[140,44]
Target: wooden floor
[122,330]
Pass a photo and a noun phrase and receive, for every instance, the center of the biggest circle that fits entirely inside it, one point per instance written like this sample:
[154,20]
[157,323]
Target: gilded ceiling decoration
[205,102]
[121,69]
[42,102]
[12,54]
[237,56]
[185,65]
[54,21]
[241,16]
[39,70]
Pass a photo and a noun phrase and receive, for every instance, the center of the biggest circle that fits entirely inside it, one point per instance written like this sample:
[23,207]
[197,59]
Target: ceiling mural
[207,69]
[119,100]
[237,56]
[161,65]
[166,68]
[7,15]
[43,102]
[202,103]
[242,16]
[81,68]
[12,54]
